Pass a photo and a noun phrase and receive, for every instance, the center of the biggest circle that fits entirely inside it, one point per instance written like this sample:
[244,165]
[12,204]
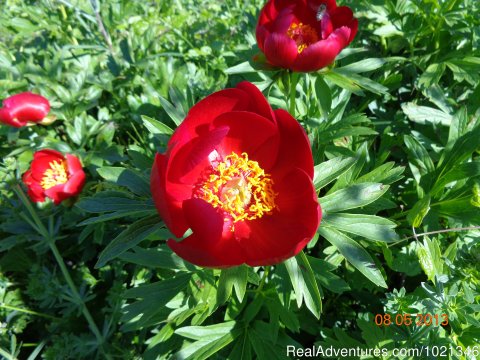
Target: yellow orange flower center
[303,34]
[55,175]
[239,187]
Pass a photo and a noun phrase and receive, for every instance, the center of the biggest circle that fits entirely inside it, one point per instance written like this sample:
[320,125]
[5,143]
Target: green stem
[50,239]
[264,278]
[27,311]
[293,92]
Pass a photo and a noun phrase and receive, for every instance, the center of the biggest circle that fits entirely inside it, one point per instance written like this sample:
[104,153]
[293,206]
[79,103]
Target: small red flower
[239,175]
[22,108]
[304,35]
[54,176]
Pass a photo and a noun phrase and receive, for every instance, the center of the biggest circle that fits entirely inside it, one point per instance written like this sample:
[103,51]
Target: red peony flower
[304,35]
[54,176]
[22,108]
[239,175]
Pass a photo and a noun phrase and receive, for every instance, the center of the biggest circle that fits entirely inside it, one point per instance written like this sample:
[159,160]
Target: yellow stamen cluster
[303,34]
[239,187]
[55,175]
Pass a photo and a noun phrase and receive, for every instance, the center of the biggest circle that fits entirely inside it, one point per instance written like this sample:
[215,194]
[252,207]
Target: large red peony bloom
[304,35]
[239,175]
[54,176]
[22,108]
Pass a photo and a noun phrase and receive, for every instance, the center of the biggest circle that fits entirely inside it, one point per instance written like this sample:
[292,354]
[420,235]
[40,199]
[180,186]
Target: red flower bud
[54,176]
[239,175]
[22,108]
[304,35]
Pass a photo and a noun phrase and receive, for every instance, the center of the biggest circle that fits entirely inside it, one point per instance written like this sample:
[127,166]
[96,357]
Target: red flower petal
[209,245]
[247,133]
[341,16]
[323,52]
[354,30]
[75,183]
[187,162]
[294,150]
[42,160]
[280,50]
[73,164]
[24,107]
[35,191]
[274,238]
[258,103]
[57,193]
[169,208]
[200,115]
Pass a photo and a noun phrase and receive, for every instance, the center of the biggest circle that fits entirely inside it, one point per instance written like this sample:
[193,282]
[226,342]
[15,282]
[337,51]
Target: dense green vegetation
[394,125]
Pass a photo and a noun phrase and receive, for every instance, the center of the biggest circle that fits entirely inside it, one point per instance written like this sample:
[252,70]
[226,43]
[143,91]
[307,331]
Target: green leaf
[352,197]
[322,270]
[385,174]
[160,291]
[117,215]
[344,82]
[419,211]
[463,171]
[159,257]
[432,75]
[354,253]
[426,115]
[156,127]
[420,162]
[152,300]
[235,277]
[364,82]
[242,68]
[304,283]
[324,96]
[369,226]
[210,340]
[132,236]
[460,150]
[430,258]
[361,66]
[99,204]
[175,114]
[330,170]
[126,177]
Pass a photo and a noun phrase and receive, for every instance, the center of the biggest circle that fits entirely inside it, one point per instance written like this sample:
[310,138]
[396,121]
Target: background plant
[394,127]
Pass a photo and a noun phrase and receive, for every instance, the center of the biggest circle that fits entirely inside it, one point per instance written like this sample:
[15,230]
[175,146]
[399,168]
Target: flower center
[55,175]
[239,187]
[304,35]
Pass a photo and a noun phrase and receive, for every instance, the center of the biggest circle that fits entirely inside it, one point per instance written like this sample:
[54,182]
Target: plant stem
[50,239]
[293,92]
[264,278]
[458,229]
[27,311]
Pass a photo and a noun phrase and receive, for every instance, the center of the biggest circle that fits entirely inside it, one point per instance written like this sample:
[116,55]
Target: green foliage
[394,125]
